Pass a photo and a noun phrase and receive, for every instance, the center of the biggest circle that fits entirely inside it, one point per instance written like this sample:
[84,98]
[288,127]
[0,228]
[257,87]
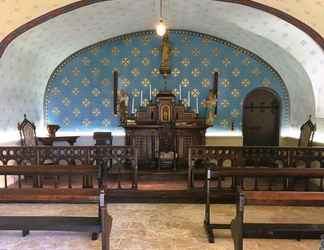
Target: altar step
[163,174]
[160,175]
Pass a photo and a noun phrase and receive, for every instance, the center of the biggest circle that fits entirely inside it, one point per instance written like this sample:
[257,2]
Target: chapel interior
[161,124]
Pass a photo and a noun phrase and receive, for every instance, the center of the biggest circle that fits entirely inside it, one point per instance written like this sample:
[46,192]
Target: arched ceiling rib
[16,13]
[32,57]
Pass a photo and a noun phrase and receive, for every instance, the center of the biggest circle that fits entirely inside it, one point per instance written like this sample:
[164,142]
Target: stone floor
[156,227]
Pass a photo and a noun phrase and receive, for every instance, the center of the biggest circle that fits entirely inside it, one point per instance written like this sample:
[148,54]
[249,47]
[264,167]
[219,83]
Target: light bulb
[161,28]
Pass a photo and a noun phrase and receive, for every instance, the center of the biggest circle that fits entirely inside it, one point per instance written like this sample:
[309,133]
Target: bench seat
[37,195]
[51,223]
[282,231]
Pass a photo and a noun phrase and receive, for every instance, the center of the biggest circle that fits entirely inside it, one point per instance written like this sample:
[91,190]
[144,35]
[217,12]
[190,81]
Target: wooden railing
[277,157]
[116,161]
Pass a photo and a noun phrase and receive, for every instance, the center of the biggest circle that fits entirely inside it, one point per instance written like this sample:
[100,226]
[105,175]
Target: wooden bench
[238,174]
[95,225]
[242,230]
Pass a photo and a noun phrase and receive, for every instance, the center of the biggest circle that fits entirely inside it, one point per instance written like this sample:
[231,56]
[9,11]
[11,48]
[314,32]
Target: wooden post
[207,192]
[237,224]
[208,228]
[190,179]
[135,162]
[106,221]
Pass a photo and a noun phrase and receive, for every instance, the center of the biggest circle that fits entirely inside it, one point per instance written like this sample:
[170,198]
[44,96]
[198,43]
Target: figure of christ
[165,52]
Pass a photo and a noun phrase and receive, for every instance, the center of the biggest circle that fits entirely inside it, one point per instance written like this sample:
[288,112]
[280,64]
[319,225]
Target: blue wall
[79,93]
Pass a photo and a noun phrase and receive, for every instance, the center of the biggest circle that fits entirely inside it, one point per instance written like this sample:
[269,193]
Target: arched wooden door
[261,118]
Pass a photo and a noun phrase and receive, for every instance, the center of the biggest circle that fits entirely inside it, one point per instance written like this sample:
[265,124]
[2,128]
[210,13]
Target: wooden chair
[27,132]
[102,138]
[307,131]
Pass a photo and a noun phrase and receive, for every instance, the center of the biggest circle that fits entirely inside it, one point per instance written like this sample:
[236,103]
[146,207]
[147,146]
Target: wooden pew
[95,225]
[242,230]
[238,174]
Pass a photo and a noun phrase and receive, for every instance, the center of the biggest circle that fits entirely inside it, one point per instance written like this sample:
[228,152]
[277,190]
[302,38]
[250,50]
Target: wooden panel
[76,224]
[261,117]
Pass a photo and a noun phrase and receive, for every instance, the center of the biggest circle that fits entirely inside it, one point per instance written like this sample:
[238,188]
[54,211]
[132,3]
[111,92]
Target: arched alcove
[79,93]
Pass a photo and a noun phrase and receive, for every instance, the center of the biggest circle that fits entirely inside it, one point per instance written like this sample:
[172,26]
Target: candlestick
[189,98]
[197,105]
[180,92]
[150,92]
[141,97]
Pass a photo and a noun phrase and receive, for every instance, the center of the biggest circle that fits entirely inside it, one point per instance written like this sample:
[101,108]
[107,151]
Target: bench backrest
[279,198]
[39,172]
[238,175]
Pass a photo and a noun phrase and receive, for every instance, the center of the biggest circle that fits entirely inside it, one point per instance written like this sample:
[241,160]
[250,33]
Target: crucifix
[165,56]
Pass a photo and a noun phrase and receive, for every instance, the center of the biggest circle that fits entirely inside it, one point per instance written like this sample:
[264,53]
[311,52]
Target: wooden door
[261,118]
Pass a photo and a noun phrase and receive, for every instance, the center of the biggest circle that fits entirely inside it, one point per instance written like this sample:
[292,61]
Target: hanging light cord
[160,9]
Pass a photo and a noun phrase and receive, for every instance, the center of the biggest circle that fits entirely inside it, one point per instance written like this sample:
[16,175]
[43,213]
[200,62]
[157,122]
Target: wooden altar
[164,130]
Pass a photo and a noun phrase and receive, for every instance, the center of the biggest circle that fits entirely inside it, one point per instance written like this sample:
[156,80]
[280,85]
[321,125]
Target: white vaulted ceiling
[29,60]
[14,13]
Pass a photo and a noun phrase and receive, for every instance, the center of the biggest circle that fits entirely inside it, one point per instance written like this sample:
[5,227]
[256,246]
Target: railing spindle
[19,181]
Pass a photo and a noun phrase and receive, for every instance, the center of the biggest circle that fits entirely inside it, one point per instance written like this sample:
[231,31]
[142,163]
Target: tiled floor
[156,227]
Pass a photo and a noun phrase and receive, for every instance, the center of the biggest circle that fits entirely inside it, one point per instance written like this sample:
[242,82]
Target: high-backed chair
[307,131]
[27,131]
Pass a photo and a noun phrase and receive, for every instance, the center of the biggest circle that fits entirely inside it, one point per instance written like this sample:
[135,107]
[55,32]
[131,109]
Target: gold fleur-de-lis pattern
[79,95]
[225,103]
[205,83]
[176,72]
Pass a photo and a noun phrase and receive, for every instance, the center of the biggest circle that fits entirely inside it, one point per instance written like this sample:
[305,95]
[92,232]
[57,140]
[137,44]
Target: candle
[133,104]
[141,97]
[150,92]
[189,98]
[180,92]
[197,105]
